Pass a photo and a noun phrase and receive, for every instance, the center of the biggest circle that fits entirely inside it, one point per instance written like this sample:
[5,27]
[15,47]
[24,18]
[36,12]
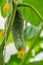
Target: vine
[13,12]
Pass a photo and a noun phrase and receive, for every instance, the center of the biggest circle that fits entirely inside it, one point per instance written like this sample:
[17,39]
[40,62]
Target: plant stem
[32,46]
[32,8]
[14,7]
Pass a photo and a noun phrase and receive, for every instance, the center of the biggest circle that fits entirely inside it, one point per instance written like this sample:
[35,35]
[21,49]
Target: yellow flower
[21,53]
[6,8]
[3,33]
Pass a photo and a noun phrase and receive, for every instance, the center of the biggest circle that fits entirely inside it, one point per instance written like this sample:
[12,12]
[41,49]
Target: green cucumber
[17,31]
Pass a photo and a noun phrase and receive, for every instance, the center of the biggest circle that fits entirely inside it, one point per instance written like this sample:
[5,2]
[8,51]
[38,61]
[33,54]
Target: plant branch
[32,8]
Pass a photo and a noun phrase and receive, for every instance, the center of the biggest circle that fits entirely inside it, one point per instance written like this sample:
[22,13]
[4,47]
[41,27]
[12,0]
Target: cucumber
[17,31]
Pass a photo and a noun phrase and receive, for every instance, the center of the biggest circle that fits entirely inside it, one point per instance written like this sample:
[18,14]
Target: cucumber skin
[17,31]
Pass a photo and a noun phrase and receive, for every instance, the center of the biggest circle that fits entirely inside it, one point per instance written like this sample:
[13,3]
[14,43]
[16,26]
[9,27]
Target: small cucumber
[17,31]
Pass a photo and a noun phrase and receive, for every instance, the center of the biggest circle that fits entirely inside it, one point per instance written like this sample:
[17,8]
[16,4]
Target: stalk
[32,8]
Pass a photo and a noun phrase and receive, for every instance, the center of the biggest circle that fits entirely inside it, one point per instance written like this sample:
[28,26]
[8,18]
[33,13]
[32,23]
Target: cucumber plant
[15,22]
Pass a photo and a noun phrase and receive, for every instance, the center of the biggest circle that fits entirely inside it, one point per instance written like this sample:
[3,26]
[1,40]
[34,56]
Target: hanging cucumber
[17,32]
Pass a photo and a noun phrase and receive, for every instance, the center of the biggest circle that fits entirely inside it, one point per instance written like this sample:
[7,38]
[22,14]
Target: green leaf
[35,63]
[5,14]
[13,60]
[1,37]
[2,2]
[30,32]
[29,15]
[10,39]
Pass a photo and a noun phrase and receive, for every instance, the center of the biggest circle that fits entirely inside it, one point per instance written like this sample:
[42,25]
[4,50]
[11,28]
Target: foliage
[33,13]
